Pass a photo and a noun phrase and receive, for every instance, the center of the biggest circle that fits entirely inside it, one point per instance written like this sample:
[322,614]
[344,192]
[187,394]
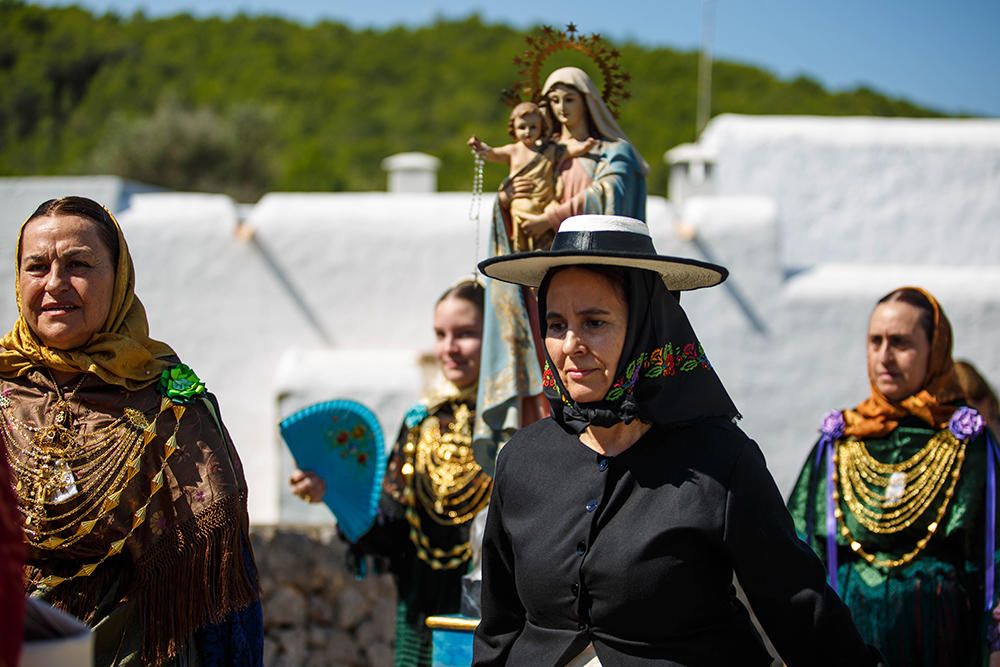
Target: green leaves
[194,149]
[251,104]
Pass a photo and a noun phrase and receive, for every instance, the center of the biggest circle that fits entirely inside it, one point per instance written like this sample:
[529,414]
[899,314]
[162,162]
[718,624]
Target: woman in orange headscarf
[899,496]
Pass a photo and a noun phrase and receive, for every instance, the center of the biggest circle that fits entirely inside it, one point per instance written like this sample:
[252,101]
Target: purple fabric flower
[966,423]
[832,427]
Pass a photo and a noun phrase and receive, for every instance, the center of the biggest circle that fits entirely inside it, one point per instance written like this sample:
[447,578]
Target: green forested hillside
[252,104]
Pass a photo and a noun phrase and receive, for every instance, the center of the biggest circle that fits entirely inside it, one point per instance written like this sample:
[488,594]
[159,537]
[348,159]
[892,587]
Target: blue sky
[945,55]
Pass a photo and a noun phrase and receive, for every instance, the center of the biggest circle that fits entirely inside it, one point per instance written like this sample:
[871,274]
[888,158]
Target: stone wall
[316,614]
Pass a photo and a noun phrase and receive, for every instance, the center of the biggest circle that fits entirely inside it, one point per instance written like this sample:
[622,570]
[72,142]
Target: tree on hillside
[194,149]
[248,104]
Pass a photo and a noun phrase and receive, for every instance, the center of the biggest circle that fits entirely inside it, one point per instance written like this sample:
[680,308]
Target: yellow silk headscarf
[120,353]
[934,403]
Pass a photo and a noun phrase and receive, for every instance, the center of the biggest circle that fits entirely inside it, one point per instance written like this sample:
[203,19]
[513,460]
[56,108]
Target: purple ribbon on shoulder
[991,517]
[831,519]
[831,430]
[966,424]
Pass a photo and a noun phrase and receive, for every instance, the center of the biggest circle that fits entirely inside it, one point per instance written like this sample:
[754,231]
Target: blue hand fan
[341,441]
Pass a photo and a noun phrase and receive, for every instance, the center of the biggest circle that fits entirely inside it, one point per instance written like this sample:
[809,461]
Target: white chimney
[412,172]
[691,171]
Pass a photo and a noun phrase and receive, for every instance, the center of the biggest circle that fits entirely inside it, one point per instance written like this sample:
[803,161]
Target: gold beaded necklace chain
[70,479]
[887,498]
[443,477]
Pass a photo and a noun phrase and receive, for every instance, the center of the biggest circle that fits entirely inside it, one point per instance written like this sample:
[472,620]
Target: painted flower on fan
[181,384]
[832,427]
[966,423]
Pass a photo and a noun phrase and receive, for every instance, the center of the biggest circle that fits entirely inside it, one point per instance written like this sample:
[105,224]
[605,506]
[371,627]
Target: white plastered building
[309,296]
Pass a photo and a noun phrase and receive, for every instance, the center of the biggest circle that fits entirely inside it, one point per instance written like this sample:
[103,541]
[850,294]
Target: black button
[575,588]
[581,626]
[603,464]
[592,505]
[581,548]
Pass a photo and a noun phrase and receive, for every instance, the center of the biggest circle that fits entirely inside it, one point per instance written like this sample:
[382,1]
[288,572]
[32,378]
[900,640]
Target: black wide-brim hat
[609,240]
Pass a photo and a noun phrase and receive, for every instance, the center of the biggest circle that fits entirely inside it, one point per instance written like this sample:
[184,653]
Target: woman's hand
[535,224]
[307,485]
[518,187]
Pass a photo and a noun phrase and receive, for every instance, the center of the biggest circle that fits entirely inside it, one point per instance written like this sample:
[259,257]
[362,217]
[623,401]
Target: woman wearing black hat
[615,526]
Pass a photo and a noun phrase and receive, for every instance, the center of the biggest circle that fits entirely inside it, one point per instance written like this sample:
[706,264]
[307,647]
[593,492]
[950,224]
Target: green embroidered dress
[931,610]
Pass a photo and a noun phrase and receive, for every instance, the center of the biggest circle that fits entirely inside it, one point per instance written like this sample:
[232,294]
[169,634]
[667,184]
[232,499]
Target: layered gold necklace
[888,498]
[70,479]
[442,475]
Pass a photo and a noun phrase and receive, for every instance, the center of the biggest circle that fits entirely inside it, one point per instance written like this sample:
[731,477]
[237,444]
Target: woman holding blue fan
[899,497]
[433,487]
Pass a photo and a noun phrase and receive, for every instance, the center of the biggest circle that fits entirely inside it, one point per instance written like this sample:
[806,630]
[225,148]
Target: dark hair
[614,275]
[917,300]
[975,387]
[469,290]
[84,208]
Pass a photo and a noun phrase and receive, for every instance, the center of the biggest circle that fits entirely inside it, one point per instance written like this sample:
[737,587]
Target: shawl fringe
[197,576]
[77,597]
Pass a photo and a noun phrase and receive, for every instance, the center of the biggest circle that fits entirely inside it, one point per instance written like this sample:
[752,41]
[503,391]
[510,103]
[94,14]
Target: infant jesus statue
[533,155]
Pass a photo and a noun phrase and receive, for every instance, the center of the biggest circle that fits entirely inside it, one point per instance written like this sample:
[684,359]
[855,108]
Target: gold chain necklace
[442,475]
[64,473]
[69,480]
[448,482]
[887,498]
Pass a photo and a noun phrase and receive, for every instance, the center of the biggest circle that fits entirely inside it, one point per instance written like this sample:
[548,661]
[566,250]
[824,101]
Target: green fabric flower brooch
[181,384]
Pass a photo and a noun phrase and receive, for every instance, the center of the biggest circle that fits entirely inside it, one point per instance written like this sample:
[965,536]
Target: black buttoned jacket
[636,554]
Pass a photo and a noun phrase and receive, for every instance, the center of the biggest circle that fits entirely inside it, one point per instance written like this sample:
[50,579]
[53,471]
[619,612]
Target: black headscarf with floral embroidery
[663,375]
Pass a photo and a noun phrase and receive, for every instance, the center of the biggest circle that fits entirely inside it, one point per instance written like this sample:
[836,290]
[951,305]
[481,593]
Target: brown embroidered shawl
[189,563]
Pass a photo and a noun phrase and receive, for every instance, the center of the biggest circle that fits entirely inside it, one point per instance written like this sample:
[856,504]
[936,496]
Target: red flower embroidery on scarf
[661,362]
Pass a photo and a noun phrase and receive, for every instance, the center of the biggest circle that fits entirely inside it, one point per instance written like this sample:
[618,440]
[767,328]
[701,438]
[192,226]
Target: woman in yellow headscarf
[131,491]
[899,497]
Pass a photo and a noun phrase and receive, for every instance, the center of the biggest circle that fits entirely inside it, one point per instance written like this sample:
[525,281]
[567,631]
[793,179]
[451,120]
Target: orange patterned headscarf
[120,353]
[934,404]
